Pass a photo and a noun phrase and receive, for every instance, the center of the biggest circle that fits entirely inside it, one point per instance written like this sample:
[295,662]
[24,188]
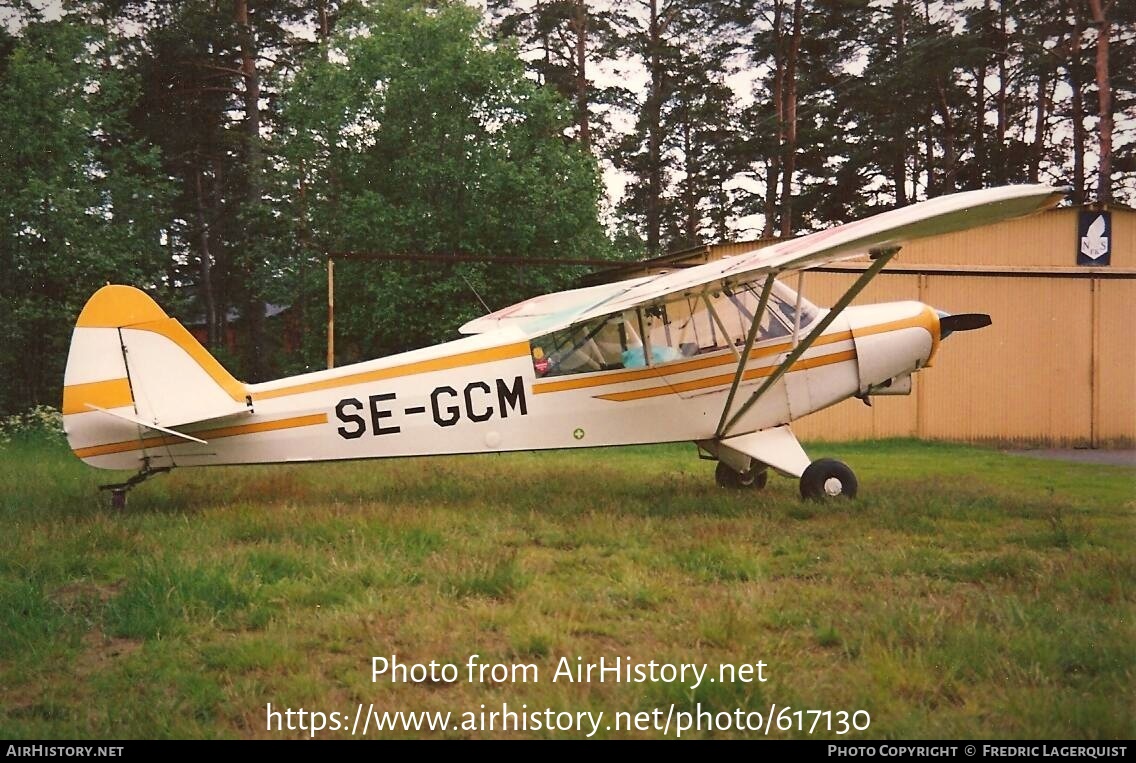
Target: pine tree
[563,41]
[83,203]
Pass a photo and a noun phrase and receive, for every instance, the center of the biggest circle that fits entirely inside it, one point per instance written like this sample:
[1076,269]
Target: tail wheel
[827,478]
[754,478]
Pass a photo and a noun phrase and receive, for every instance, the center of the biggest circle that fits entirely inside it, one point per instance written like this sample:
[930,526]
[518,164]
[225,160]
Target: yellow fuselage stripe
[204,434]
[723,379]
[113,393]
[460,360]
[658,372]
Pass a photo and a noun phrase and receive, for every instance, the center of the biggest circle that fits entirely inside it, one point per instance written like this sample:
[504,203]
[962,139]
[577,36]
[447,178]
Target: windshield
[784,301]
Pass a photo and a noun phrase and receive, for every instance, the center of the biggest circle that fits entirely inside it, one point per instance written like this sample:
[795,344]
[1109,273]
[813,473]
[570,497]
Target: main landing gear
[755,478]
[823,479]
[828,478]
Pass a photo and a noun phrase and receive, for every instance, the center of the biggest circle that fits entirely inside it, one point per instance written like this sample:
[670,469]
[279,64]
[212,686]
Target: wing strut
[744,358]
[797,307]
[721,326]
[880,257]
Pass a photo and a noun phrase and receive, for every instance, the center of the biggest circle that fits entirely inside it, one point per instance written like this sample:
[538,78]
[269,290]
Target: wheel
[828,478]
[755,478]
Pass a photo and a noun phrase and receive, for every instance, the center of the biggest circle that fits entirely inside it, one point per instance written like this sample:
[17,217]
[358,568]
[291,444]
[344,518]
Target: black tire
[754,479]
[827,478]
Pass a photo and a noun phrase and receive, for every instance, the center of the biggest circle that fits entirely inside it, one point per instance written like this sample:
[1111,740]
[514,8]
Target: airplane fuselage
[485,394]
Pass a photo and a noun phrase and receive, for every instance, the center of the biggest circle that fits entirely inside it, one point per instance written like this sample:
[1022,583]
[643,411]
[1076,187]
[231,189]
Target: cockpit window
[682,327]
[597,345]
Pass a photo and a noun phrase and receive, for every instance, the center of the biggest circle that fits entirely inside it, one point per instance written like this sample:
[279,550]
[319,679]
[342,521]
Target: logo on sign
[1094,244]
[1094,239]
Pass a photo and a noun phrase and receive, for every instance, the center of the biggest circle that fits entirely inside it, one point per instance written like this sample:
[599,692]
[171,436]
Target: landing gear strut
[118,490]
[776,449]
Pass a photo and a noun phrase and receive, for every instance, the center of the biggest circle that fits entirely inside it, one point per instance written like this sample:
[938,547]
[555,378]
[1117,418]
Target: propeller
[948,324]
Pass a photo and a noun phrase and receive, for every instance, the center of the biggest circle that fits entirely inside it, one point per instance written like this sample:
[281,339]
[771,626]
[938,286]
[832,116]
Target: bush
[42,422]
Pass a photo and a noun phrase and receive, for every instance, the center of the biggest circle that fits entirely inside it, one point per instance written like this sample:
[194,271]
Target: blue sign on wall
[1094,238]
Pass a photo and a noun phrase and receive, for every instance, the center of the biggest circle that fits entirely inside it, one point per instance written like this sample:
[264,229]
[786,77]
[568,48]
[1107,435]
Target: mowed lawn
[965,594]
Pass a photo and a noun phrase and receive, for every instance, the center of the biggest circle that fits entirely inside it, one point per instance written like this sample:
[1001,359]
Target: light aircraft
[722,354]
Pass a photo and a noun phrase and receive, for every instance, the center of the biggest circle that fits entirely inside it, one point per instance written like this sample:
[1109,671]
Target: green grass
[965,594]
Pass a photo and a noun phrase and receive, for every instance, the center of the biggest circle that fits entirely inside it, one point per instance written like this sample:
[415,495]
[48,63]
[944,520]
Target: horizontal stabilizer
[148,425]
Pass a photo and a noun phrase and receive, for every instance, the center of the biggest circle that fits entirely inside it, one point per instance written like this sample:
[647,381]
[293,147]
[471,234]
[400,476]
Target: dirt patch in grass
[71,595]
[100,651]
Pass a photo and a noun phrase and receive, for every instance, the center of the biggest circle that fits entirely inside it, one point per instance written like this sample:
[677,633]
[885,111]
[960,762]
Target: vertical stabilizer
[128,357]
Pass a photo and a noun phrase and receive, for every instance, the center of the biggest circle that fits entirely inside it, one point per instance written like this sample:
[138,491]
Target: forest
[216,153]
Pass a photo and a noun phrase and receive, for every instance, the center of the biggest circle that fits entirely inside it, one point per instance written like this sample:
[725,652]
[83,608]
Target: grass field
[965,594]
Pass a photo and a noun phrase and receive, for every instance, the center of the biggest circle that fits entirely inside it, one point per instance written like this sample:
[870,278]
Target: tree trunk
[209,303]
[252,100]
[790,124]
[1104,101]
[1000,168]
[690,203]
[773,174]
[580,26]
[1076,86]
[546,45]
[1041,115]
[653,115]
[950,159]
[982,159]
[929,153]
[254,308]
[899,160]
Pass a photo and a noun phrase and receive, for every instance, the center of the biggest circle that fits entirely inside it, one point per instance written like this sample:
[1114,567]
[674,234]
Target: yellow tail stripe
[724,379]
[505,352]
[113,393]
[179,335]
[204,434]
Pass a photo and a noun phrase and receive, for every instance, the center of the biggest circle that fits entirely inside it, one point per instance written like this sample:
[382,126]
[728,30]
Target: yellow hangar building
[1058,365]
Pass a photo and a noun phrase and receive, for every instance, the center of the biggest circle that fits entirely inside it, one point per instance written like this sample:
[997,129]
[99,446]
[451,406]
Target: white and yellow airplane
[722,354]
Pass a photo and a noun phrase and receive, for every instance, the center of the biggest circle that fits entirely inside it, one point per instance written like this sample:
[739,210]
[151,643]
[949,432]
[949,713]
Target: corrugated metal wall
[1031,377]
[1058,365]
[1115,361]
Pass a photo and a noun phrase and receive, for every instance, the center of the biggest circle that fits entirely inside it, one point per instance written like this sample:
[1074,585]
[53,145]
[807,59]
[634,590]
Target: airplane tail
[132,368]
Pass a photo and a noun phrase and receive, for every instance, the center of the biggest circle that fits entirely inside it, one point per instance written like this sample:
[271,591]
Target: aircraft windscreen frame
[679,328]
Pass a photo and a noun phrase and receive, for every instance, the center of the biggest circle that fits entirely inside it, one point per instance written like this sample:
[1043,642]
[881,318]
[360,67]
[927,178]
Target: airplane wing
[551,309]
[945,214]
